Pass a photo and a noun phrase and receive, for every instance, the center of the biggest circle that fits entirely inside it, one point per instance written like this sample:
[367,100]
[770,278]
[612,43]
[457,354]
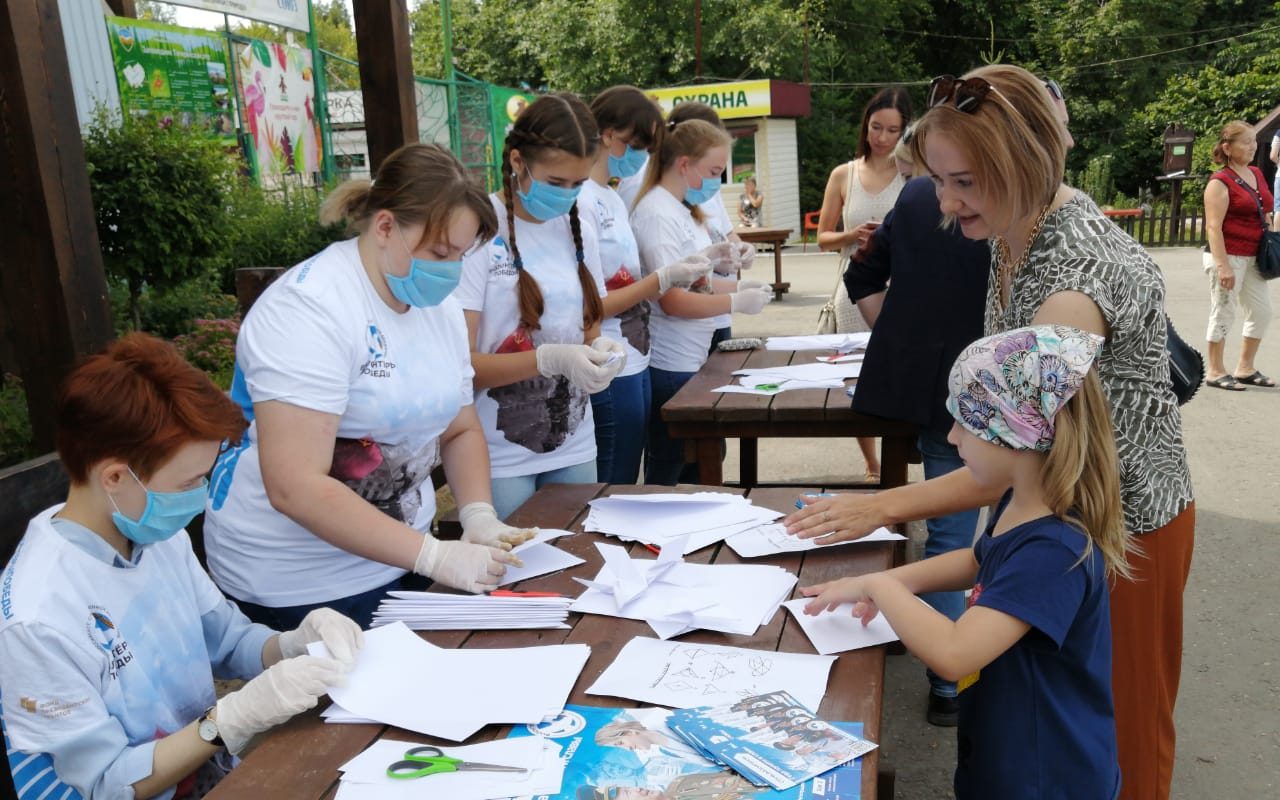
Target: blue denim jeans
[952,532]
[510,493]
[622,422]
[359,607]
[664,462]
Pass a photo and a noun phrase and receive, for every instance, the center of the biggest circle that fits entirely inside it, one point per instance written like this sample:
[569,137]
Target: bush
[15,424]
[212,347]
[160,194]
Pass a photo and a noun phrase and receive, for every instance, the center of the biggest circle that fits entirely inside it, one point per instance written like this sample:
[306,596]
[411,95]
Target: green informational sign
[506,105]
[175,74]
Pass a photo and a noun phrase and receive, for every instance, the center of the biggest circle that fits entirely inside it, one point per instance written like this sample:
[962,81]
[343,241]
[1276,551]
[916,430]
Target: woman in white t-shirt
[531,295]
[354,373]
[684,172]
[628,121]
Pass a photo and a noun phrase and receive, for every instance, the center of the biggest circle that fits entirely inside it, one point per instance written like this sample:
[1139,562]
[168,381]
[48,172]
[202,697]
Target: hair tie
[518,263]
[581,256]
[671,125]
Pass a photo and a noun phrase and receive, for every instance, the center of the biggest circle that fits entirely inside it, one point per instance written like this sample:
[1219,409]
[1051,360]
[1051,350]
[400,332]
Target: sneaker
[943,711]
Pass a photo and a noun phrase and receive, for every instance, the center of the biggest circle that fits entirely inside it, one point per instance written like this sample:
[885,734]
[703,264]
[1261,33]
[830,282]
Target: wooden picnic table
[776,237]
[703,417]
[300,759]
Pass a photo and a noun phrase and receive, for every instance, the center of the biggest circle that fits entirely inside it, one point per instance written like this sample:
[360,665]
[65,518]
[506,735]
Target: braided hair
[559,121]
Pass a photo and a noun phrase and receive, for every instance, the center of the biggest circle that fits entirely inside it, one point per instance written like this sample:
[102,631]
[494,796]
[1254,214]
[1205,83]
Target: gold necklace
[1005,270]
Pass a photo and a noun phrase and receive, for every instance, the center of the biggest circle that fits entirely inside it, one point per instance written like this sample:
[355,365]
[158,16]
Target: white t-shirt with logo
[539,424]
[620,264]
[102,655]
[667,233]
[320,338]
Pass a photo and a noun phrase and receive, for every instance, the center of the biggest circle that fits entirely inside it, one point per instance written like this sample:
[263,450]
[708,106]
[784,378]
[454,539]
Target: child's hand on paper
[830,595]
[480,525]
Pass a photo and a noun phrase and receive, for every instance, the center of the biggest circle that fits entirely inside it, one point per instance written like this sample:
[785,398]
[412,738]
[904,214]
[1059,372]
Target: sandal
[871,477]
[1256,379]
[1227,382]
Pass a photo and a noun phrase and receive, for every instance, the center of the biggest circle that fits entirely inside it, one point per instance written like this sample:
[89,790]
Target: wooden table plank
[695,400]
[737,408]
[804,405]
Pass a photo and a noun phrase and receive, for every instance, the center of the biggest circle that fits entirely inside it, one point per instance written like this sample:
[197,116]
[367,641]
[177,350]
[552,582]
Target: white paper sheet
[769,540]
[539,559]
[444,611]
[838,631]
[704,517]
[543,535]
[769,385]
[393,666]
[813,371]
[687,675]
[843,342]
[364,777]
[840,359]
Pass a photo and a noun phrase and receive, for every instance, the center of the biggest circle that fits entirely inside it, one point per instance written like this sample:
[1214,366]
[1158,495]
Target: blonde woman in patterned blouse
[996,151]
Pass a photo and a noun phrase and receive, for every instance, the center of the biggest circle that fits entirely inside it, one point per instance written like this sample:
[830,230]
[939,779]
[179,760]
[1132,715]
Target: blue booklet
[623,753]
[769,739]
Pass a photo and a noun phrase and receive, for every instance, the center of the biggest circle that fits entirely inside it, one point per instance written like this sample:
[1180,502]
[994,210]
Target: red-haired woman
[111,633]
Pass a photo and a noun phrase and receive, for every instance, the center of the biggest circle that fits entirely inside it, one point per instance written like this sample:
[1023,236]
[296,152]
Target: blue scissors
[419,762]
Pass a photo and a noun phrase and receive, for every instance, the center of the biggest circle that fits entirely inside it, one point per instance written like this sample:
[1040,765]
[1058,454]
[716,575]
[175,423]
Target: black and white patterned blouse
[1080,250]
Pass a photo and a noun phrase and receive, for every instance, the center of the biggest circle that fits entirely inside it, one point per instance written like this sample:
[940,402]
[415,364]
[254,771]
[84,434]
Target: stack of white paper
[365,776]
[662,519]
[401,680]
[688,675]
[838,631]
[769,540]
[771,380]
[844,342]
[675,597]
[436,611]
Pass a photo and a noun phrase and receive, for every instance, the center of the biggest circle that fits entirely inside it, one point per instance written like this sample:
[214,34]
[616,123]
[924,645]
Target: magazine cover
[768,739]
[626,753]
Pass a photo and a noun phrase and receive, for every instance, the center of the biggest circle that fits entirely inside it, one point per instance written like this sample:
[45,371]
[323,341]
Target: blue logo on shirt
[104,633]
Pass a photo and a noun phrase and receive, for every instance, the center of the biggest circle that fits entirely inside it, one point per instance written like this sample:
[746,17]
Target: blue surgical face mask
[546,202]
[428,282]
[166,513]
[628,164]
[710,188]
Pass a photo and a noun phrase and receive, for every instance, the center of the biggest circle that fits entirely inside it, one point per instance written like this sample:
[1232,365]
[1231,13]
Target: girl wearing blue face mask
[669,225]
[111,633]
[354,373]
[532,301]
[629,125]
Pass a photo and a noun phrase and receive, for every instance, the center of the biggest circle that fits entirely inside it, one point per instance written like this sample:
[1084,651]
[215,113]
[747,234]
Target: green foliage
[1095,180]
[272,229]
[211,347]
[15,425]
[160,194]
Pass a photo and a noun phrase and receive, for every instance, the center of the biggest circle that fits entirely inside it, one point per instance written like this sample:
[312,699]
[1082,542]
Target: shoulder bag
[1269,246]
[1186,365]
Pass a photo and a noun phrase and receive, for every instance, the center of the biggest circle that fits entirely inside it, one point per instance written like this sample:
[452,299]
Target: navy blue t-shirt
[1038,721]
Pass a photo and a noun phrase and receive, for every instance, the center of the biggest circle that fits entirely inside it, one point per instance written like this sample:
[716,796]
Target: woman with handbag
[858,196]
[1237,207]
[996,152]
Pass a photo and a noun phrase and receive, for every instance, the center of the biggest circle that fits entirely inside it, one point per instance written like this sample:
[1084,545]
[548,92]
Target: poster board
[277,95]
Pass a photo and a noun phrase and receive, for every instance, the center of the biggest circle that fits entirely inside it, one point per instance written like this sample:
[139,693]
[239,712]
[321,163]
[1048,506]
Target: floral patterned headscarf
[1007,388]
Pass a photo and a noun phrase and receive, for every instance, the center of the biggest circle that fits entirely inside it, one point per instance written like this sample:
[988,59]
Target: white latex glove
[753,285]
[610,348]
[284,689]
[480,525]
[683,273]
[749,301]
[340,634]
[582,365]
[723,257]
[463,565]
[745,254]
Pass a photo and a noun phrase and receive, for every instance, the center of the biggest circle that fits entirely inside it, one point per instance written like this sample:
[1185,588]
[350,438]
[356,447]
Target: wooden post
[386,77]
[123,8]
[53,290]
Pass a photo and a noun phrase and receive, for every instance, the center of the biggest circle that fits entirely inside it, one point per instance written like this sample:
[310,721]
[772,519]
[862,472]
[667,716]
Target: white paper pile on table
[674,597]
[402,680]
[771,380]
[540,557]
[437,611]
[844,342]
[365,776]
[662,519]
[769,540]
[688,674]
[837,631]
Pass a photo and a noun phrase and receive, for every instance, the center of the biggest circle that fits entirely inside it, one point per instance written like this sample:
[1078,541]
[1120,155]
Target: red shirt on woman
[1241,227]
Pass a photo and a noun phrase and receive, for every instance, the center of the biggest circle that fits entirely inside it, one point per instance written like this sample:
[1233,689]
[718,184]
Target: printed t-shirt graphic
[539,424]
[620,265]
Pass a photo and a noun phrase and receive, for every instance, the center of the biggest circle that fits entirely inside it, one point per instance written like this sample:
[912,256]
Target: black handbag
[1186,365]
[1269,247]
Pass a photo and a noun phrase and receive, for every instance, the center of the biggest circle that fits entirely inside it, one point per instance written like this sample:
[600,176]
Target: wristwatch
[208,728]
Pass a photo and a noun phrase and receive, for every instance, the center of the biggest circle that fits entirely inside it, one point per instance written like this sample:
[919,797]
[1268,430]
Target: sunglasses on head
[966,94]
[1055,90]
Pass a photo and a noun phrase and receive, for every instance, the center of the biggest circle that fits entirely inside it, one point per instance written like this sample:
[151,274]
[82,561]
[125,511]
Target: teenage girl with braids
[684,172]
[531,297]
[628,121]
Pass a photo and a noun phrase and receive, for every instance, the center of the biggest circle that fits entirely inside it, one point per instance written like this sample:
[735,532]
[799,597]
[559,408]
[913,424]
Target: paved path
[1229,707]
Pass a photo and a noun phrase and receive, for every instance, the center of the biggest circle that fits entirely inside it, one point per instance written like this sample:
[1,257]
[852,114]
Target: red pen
[653,548]
[510,593]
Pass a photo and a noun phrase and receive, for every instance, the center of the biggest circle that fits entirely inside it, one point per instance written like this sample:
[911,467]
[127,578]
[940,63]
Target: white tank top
[861,206]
